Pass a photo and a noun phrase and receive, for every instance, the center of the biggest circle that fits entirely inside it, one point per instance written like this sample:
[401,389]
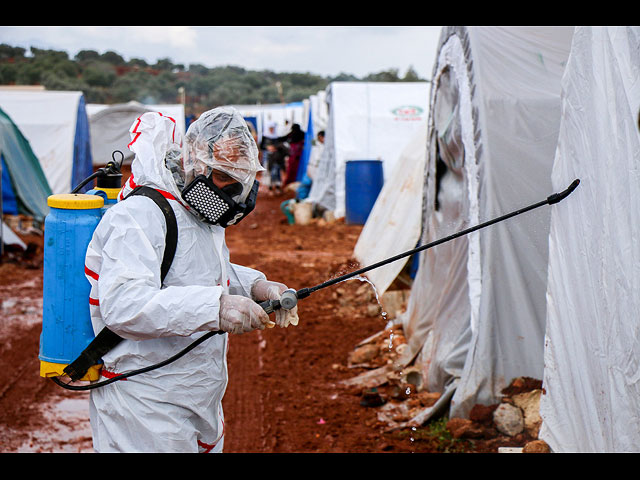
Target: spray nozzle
[288,300]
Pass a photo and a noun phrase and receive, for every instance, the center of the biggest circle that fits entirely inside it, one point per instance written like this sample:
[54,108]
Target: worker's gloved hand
[267,290]
[240,314]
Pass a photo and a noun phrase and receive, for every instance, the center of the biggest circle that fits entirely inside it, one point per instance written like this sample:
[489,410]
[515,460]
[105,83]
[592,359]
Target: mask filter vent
[206,201]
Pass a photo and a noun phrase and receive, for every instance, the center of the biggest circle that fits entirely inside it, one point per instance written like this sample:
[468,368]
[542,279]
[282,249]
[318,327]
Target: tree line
[108,78]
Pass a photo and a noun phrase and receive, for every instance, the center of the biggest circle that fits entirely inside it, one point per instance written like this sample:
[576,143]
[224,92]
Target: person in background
[269,137]
[277,161]
[316,154]
[295,139]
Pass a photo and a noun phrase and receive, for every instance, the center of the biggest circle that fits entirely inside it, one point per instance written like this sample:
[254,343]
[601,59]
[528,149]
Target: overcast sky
[327,51]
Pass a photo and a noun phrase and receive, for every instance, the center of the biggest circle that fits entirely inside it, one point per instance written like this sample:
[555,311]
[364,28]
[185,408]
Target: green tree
[411,75]
[7,52]
[85,56]
[99,74]
[113,58]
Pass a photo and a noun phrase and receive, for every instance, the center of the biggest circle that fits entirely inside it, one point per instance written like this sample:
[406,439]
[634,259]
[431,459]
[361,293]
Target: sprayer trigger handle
[270,306]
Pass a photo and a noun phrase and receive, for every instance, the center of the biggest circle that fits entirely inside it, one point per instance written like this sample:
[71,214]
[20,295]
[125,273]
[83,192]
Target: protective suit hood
[157,146]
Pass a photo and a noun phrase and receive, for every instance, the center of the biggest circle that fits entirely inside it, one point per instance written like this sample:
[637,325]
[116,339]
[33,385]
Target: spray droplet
[365,279]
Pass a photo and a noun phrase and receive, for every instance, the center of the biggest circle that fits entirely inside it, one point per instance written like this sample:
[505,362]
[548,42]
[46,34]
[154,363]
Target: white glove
[240,314]
[265,290]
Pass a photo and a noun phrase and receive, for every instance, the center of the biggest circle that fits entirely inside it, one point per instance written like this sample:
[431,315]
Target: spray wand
[290,297]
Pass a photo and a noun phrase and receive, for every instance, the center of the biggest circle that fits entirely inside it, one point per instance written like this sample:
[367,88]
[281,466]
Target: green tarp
[28,182]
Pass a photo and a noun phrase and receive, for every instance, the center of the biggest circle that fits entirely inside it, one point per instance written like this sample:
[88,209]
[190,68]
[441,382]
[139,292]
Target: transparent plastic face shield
[221,140]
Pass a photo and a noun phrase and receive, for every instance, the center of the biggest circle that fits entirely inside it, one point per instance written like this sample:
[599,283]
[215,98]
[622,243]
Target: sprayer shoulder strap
[106,339]
[171,238]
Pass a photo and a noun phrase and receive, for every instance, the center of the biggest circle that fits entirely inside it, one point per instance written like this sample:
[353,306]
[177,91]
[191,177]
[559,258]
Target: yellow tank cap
[112,193]
[75,201]
[48,369]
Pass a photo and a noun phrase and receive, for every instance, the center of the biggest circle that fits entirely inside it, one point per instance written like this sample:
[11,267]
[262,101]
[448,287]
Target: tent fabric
[591,376]
[394,224]
[24,186]
[110,124]
[309,136]
[9,237]
[317,114]
[367,121]
[476,312]
[9,201]
[110,130]
[54,123]
[82,158]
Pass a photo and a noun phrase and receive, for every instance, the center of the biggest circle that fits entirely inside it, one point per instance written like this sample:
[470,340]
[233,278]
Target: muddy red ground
[284,393]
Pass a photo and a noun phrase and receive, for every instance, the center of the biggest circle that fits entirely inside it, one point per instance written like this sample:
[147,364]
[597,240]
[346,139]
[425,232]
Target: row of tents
[514,115]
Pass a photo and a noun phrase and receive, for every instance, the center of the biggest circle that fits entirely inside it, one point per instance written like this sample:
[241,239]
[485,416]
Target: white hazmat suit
[176,408]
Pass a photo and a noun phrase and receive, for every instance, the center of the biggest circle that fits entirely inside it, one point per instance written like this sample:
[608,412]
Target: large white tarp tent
[394,224]
[110,126]
[367,121]
[476,313]
[592,348]
[55,124]
[316,114]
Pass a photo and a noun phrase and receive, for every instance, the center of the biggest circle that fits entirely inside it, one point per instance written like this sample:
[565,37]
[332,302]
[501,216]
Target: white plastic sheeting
[367,121]
[319,111]
[476,313]
[395,222]
[592,350]
[48,120]
[110,124]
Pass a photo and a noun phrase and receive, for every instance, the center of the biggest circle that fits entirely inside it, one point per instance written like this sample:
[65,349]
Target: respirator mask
[220,168]
[216,205]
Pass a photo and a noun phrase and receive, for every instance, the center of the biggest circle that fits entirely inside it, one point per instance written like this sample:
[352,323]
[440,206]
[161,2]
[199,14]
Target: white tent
[367,121]
[319,111]
[56,126]
[110,126]
[476,313]
[395,222]
[592,348]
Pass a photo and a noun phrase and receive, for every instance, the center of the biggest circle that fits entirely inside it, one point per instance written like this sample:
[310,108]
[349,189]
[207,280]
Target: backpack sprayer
[289,298]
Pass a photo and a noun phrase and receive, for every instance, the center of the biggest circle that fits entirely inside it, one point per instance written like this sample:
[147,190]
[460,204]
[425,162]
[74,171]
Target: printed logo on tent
[408,113]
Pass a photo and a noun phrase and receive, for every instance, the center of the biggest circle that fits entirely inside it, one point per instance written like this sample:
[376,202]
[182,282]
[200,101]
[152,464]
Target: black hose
[110,168]
[122,376]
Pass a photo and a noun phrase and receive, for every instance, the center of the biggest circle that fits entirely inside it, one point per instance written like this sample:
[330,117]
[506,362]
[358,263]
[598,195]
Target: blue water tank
[363,182]
[66,322]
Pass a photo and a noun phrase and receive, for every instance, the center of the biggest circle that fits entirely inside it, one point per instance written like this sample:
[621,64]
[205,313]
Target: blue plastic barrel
[66,322]
[363,182]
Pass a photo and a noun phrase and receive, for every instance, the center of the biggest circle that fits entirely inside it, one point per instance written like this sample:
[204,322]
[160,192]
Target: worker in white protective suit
[175,408]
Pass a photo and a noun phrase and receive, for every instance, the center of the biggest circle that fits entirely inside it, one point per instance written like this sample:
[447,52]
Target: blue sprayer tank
[66,320]
[363,181]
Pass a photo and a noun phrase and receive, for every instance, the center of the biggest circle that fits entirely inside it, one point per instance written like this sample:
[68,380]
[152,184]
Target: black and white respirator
[216,205]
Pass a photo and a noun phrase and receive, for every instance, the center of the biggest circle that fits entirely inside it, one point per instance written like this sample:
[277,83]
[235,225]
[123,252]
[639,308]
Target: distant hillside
[108,78]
